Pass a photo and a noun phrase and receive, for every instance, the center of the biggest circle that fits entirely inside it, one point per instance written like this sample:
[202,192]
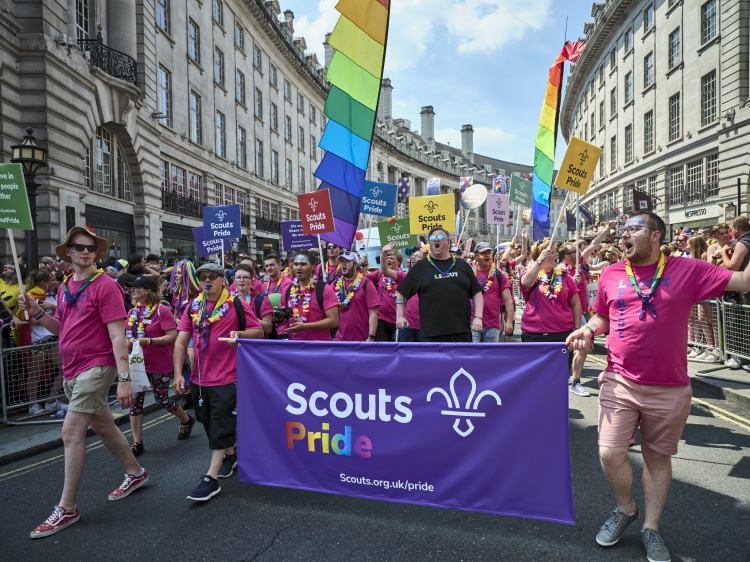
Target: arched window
[107,171]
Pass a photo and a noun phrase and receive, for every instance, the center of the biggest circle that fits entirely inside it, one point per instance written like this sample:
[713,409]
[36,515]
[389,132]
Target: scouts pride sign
[222,221]
[397,230]
[426,213]
[430,424]
[14,204]
[315,212]
[520,191]
[378,199]
[578,166]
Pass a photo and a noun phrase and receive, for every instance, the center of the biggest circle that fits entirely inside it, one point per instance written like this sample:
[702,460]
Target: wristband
[39,315]
[478,317]
[371,337]
[400,301]
[590,329]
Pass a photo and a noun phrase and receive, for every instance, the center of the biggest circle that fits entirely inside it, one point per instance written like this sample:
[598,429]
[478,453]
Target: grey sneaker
[614,527]
[733,363]
[654,545]
[578,390]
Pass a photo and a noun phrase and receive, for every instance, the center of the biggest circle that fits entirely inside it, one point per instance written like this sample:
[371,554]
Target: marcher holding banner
[495,290]
[387,281]
[445,286]
[411,312]
[358,302]
[214,314]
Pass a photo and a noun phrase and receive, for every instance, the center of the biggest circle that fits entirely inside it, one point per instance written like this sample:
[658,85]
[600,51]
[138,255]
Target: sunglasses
[437,237]
[208,277]
[81,247]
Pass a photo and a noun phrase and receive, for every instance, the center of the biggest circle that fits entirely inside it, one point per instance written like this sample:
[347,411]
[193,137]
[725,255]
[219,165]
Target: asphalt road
[707,516]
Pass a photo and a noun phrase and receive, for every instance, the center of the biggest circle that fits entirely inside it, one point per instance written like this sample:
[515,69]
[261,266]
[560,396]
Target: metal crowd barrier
[28,375]
[737,330]
[705,329]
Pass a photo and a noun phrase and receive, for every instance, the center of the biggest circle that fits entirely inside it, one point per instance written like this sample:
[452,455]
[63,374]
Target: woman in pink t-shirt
[153,325]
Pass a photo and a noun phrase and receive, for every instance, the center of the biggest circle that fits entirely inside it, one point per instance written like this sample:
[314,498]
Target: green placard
[520,191]
[14,202]
[399,231]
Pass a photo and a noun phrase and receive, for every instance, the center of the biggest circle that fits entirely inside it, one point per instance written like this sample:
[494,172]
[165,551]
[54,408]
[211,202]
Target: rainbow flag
[354,73]
[546,139]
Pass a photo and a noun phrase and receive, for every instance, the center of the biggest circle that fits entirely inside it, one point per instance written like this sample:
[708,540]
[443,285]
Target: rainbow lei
[345,299]
[490,277]
[301,297]
[544,287]
[138,320]
[200,316]
[389,285]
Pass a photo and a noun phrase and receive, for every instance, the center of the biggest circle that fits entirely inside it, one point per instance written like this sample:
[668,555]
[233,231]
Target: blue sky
[478,62]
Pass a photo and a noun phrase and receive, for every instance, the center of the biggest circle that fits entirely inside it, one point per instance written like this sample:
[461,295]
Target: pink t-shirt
[217,364]
[354,321]
[543,315]
[411,313]
[84,338]
[314,315]
[652,350]
[387,310]
[157,358]
[583,292]
[279,286]
[492,292]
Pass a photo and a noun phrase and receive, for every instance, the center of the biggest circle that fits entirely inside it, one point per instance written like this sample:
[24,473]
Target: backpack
[240,314]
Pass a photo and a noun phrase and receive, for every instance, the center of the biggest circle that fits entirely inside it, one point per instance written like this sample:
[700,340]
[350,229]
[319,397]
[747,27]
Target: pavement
[22,441]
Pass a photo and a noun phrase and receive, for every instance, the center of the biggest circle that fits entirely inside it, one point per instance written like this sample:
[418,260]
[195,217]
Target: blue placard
[378,198]
[208,247]
[222,221]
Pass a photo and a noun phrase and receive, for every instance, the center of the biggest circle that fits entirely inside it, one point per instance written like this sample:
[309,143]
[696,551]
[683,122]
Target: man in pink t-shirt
[213,383]
[496,291]
[93,349]
[358,302]
[387,280]
[646,386]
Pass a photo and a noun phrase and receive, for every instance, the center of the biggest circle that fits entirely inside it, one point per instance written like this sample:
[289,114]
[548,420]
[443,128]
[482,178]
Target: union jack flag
[403,190]
[465,183]
[528,176]
[433,186]
[499,184]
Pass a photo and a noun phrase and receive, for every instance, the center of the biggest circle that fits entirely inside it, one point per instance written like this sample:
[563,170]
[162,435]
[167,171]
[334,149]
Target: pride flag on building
[404,185]
[465,183]
[433,186]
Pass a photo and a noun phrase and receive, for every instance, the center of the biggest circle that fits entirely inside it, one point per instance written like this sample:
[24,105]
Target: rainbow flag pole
[355,72]
[546,140]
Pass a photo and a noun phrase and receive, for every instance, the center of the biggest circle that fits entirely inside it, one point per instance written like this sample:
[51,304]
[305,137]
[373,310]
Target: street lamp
[31,157]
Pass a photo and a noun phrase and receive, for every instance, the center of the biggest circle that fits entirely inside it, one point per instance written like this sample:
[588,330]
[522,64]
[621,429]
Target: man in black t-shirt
[445,286]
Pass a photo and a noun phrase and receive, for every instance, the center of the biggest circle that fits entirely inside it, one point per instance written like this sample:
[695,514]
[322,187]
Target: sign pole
[559,218]
[463,227]
[369,230]
[578,231]
[15,264]
[323,266]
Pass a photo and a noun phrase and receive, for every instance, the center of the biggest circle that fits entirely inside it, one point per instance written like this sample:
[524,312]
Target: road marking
[90,447]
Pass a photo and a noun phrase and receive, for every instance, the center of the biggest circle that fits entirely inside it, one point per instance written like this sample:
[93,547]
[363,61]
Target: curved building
[662,87]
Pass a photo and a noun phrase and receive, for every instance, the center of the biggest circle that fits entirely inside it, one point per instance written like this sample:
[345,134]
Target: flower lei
[138,320]
[303,297]
[346,299]
[389,285]
[198,309]
[544,287]
[490,277]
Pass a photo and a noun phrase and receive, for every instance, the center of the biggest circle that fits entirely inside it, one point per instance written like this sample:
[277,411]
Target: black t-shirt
[444,302]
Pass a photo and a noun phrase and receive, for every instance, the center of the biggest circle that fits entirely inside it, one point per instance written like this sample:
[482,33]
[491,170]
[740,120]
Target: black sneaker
[207,488]
[228,465]
[186,429]
[137,449]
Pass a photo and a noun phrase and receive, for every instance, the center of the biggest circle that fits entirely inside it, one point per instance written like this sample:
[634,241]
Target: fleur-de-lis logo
[221,214]
[396,228]
[313,204]
[499,204]
[470,408]
[431,206]
[376,191]
[584,156]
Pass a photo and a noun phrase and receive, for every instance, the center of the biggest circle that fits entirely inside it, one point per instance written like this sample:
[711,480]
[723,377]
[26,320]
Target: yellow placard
[578,166]
[425,213]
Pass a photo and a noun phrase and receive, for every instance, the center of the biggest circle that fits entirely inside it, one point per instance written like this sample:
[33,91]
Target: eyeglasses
[81,247]
[203,277]
[633,228]
[241,278]
[437,237]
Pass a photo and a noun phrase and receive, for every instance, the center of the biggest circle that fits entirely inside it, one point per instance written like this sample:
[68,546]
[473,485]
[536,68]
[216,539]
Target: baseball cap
[145,282]
[349,256]
[210,268]
[120,264]
[482,247]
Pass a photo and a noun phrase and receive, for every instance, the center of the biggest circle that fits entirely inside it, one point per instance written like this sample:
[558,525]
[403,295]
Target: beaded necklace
[138,321]
[439,272]
[345,297]
[487,283]
[547,281]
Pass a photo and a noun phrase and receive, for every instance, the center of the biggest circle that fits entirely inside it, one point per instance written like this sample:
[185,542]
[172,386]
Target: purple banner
[431,424]
[209,247]
[294,239]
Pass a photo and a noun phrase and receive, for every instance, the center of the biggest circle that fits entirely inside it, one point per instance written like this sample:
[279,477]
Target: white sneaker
[577,389]
[714,356]
[733,363]
[36,409]
[52,406]
[694,352]
[702,356]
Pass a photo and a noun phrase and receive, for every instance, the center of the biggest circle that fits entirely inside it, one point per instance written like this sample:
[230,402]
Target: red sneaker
[56,522]
[130,484]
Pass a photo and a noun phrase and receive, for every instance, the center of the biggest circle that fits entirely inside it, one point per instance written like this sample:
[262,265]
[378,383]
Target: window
[612,59]
[708,21]
[593,124]
[302,175]
[194,41]
[165,95]
[241,201]
[628,39]
[82,20]
[695,182]
[712,172]
[628,144]
[288,128]
[628,87]
[287,90]
[110,167]
[273,76]
[257,58]
[613,102]
[601,75]
[241,148]
[674,48]
[239,37]
[708,98]
[221,137]
[219,12]
[648,132]
[196,134]
[648,18]
[602,114]
[259,157]
[301,138]
[195,183]
[301,103]
[313,147]
[613,153]
[218,67]
[274,117]
[602,160]
[162,15]
[258,104]
[274,167]
[313,117]
[648,70]
[240,86]
[289,177]
[586,130]
[103,161]
[674,117]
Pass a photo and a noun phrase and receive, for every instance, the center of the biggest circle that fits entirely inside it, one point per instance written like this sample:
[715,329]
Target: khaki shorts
[661,412]
[88,391]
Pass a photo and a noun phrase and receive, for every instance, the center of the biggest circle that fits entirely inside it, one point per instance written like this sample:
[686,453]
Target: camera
[281,314]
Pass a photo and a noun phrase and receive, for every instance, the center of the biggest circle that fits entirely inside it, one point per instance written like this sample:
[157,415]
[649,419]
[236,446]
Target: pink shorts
[661,412]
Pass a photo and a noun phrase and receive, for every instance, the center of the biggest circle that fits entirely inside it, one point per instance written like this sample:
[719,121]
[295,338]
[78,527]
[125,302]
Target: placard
[315,212]
[426,213]
[209,247]
[222,221]
[399,231]
[498,209]
[520,191]
[378,199]
[577,169]
[474,196]
[14,201]
[293,239]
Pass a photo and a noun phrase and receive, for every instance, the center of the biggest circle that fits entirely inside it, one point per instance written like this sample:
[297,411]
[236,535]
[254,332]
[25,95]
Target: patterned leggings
[160,384]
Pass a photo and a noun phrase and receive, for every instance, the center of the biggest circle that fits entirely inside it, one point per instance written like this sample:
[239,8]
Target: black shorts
[462,337]
[216,413]
[386,331]
[549,337]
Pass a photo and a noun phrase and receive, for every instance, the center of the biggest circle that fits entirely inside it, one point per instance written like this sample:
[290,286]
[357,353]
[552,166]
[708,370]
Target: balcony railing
[267,225]
[182,205]
[111,61]
[691,194]
[245,220]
